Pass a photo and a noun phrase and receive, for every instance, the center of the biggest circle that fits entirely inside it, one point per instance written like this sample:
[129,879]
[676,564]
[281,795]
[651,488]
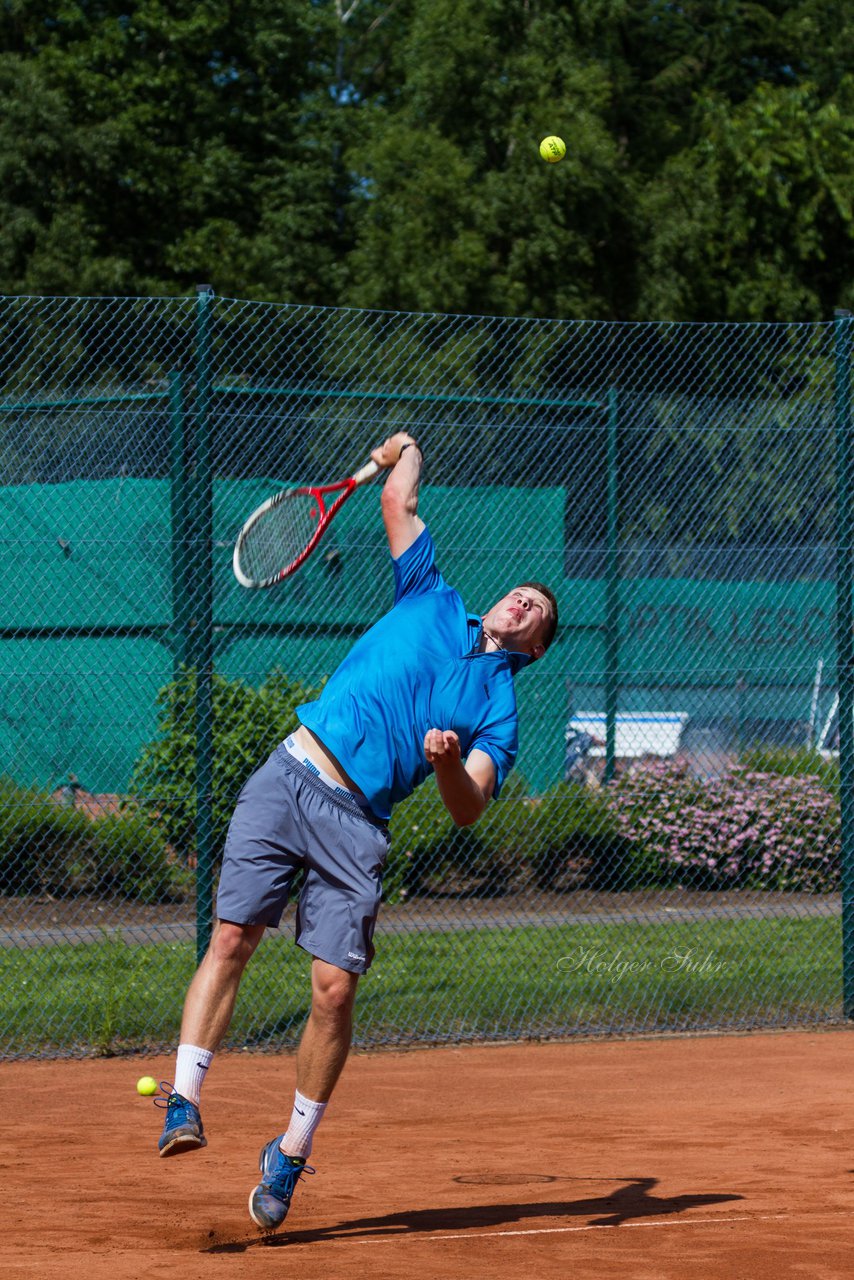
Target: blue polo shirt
[418,668]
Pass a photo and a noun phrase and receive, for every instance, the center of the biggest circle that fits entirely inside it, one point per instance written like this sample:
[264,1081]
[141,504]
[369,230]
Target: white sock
[190,1071]
[305,1118]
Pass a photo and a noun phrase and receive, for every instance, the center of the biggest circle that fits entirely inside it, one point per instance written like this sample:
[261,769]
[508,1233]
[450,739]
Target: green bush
[49,848]
[575,842]
[132,857]
[565,838]
[247,724]
[746,829]
[784,763]
[422,840]
[39,841]
[498,848]
[430,855]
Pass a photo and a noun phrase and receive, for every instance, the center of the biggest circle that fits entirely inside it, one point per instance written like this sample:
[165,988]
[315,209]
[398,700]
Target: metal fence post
[845,643]
[202,623]
[612,592]
[180,512]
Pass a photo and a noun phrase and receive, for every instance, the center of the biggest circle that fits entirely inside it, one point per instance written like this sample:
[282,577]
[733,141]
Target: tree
[156,151]
[459,213]
[754,221]
[384,153]
[247,724]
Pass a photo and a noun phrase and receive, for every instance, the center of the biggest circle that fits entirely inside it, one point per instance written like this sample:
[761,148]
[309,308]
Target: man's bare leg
[322,1053]
[326,1039]
[208,1008]
[210,1000]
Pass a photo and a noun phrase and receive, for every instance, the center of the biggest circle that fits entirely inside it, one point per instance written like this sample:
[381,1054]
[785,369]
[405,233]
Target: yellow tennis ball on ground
[146,1085]
[552,149]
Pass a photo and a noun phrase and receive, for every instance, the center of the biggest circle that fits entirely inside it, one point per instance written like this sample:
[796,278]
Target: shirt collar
[514,658]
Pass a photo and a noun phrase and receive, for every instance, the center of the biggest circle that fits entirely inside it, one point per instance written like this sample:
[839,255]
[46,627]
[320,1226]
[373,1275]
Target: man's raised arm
[400,493]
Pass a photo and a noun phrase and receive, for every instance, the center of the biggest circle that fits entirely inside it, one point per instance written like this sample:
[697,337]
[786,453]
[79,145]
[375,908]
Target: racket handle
[368,471]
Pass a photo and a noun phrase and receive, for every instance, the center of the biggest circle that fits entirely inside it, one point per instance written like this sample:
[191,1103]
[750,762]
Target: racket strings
[278,536]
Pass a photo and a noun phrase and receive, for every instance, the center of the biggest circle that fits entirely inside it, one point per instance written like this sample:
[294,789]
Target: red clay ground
[727,1158]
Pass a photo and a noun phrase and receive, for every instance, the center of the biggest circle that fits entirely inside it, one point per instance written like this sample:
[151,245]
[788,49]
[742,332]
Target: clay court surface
[715,1157]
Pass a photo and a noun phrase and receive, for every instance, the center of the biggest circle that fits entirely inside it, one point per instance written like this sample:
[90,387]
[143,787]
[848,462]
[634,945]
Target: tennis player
[428,689]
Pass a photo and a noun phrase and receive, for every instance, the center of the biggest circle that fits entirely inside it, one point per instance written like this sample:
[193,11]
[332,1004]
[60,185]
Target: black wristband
[409,445]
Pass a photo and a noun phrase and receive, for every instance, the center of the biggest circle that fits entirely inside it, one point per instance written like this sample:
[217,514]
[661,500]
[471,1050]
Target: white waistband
[321,774]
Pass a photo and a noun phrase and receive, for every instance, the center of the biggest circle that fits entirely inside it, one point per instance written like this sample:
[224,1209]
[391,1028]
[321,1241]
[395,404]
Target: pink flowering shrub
[748,828]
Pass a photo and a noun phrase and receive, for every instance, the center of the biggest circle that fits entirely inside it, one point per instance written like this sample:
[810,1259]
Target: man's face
[520,621]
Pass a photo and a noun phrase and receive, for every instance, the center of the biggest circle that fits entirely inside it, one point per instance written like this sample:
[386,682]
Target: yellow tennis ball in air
[552,149]
[146,1085]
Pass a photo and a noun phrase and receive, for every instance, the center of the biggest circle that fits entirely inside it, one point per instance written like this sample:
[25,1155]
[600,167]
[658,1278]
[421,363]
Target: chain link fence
[672,851]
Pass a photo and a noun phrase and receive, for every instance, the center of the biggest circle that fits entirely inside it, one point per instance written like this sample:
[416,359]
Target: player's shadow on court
[626,1203]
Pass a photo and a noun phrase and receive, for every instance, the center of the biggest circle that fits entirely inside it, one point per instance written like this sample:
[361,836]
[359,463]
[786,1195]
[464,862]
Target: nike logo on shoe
[301,1113]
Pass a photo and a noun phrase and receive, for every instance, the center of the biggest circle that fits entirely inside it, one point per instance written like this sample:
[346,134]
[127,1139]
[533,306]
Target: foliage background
[248,723]
[384,154]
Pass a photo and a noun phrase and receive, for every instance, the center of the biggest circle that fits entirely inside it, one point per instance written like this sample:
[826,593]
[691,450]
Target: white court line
[474,1234]
[408,1236]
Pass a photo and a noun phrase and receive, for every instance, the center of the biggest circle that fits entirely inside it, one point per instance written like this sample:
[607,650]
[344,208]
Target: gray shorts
[286,818]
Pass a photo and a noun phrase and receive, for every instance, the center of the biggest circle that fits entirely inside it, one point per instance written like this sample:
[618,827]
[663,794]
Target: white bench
[638,733]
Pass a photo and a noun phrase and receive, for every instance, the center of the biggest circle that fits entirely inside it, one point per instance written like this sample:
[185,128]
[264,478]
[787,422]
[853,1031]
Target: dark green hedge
[48,848]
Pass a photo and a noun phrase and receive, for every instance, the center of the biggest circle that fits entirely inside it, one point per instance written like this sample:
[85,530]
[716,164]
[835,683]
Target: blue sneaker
[183,1129]
[270,1200]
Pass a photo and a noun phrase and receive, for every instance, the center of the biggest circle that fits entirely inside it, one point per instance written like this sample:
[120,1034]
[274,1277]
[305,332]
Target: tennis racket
[281,534]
